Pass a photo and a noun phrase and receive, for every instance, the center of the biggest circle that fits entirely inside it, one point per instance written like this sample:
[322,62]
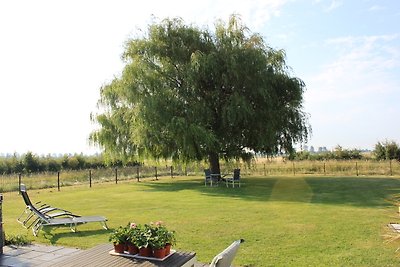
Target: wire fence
[93,176]
[257,167]
[331,168]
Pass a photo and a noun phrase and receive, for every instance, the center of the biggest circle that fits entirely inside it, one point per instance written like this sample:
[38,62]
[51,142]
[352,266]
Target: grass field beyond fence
[285,220]
[257,167]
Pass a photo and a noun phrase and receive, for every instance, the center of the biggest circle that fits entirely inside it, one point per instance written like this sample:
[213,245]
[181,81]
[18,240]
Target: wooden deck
[99,256]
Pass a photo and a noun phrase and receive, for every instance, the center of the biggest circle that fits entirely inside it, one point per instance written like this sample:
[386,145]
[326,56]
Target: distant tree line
[387,150]
[31,163]
[338,153]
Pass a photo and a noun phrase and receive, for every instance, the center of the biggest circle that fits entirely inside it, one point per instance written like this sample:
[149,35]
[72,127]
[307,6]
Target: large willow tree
[191,94]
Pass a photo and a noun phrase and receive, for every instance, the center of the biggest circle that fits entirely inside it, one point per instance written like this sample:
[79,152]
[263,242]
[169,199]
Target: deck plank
[99,256]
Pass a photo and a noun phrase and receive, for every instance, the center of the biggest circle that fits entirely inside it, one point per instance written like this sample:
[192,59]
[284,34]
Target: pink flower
[133,225]
[159,223]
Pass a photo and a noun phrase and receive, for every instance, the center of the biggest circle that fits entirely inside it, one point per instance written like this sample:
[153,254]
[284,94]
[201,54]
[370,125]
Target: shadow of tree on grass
[357,191]
[251,189]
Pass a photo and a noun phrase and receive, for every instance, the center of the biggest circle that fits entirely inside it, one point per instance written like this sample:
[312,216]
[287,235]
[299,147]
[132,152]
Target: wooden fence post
[90,178]
[172,172]
[116,175]
[390,167]
[2,235]
[58,181]
[19,183]
[155,170]
[356,168]
[137,173]
[324,168]
[294,170]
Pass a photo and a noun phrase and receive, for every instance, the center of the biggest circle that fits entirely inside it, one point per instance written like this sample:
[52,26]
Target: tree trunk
[214,163]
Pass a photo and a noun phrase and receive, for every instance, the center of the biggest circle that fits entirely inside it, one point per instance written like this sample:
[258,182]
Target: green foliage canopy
[338,153]
[387,150]
[189,94]
[32,163]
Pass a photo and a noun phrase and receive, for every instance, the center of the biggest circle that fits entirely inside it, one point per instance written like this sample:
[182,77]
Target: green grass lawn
[286,221]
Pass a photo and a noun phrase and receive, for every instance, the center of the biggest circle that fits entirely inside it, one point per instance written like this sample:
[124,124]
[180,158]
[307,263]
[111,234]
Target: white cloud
[363,67]
[357,92]
[334,5]
[255,13]
[376,8]
[328,5]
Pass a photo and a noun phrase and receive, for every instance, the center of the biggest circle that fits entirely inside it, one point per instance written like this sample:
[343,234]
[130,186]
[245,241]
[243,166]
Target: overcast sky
[55,56]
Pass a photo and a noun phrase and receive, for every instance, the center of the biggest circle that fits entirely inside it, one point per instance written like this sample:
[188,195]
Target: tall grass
[257,167]
[266,167]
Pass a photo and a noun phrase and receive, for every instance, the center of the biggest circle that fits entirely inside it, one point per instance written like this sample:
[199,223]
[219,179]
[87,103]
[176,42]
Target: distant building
[322,149]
